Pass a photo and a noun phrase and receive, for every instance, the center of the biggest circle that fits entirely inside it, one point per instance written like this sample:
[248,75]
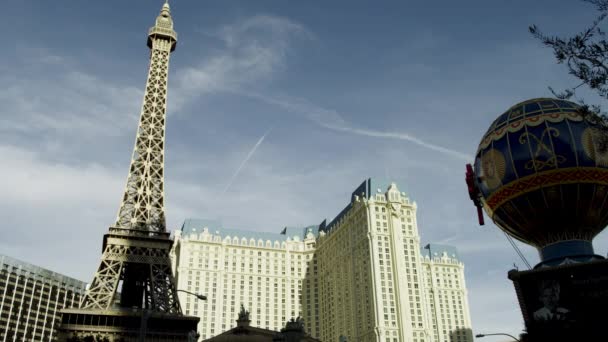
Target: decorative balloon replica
[541,174]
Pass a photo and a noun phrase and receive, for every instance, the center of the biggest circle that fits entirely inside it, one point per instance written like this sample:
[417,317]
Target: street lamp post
[497,334]
[199,296]
[194,335]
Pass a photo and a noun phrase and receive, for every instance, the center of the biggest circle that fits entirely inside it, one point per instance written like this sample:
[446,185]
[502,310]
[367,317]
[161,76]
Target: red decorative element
[474,193]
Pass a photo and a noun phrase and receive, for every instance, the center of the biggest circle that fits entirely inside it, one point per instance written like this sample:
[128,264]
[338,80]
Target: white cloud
[254,50]
[67,103]
[40,55]
[55,211]
[30,180]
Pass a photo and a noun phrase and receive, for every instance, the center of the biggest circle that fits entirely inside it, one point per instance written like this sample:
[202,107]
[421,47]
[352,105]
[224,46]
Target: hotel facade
[362,277]
[30,300]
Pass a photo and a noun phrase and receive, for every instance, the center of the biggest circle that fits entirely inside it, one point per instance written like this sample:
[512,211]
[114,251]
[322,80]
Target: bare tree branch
[586,56]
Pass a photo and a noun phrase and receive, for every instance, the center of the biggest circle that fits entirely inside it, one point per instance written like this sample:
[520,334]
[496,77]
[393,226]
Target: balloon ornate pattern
[542,172]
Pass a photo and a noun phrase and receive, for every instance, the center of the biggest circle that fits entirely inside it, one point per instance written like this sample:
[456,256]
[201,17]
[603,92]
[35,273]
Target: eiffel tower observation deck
[133,296]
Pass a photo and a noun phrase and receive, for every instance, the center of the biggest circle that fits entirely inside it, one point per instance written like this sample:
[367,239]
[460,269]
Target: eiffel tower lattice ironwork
[133,296]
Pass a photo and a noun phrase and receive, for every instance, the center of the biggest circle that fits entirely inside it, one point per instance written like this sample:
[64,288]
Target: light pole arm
[199,296]
[497,334]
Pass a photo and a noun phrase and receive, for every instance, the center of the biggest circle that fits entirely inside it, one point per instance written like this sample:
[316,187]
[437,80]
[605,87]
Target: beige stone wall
[447,299]
[265,276]
[371,264]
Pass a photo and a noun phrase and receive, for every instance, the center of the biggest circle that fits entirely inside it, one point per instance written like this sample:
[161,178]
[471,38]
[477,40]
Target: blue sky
[340,91]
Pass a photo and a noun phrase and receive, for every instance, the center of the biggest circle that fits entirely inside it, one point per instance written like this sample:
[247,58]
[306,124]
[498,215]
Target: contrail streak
[249,155]
[331,119]
[402,136]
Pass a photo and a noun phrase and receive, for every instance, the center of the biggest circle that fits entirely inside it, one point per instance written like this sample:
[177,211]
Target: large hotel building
[30,300]
[362,277]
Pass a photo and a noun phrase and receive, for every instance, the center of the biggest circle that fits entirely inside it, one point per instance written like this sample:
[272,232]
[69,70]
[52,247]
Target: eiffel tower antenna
[133,291]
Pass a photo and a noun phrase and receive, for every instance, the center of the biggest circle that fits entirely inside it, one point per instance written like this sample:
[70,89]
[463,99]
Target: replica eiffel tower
[133,295]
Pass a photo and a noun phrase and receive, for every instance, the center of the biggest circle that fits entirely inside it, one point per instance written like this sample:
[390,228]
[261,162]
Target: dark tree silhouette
[586,56]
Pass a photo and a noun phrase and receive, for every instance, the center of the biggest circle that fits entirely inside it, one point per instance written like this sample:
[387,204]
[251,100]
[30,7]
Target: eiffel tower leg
[103,288]
[143,266]
[148,307]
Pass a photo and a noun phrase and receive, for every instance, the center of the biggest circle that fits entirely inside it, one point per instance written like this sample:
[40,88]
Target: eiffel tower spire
[143,202]
[133,293]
